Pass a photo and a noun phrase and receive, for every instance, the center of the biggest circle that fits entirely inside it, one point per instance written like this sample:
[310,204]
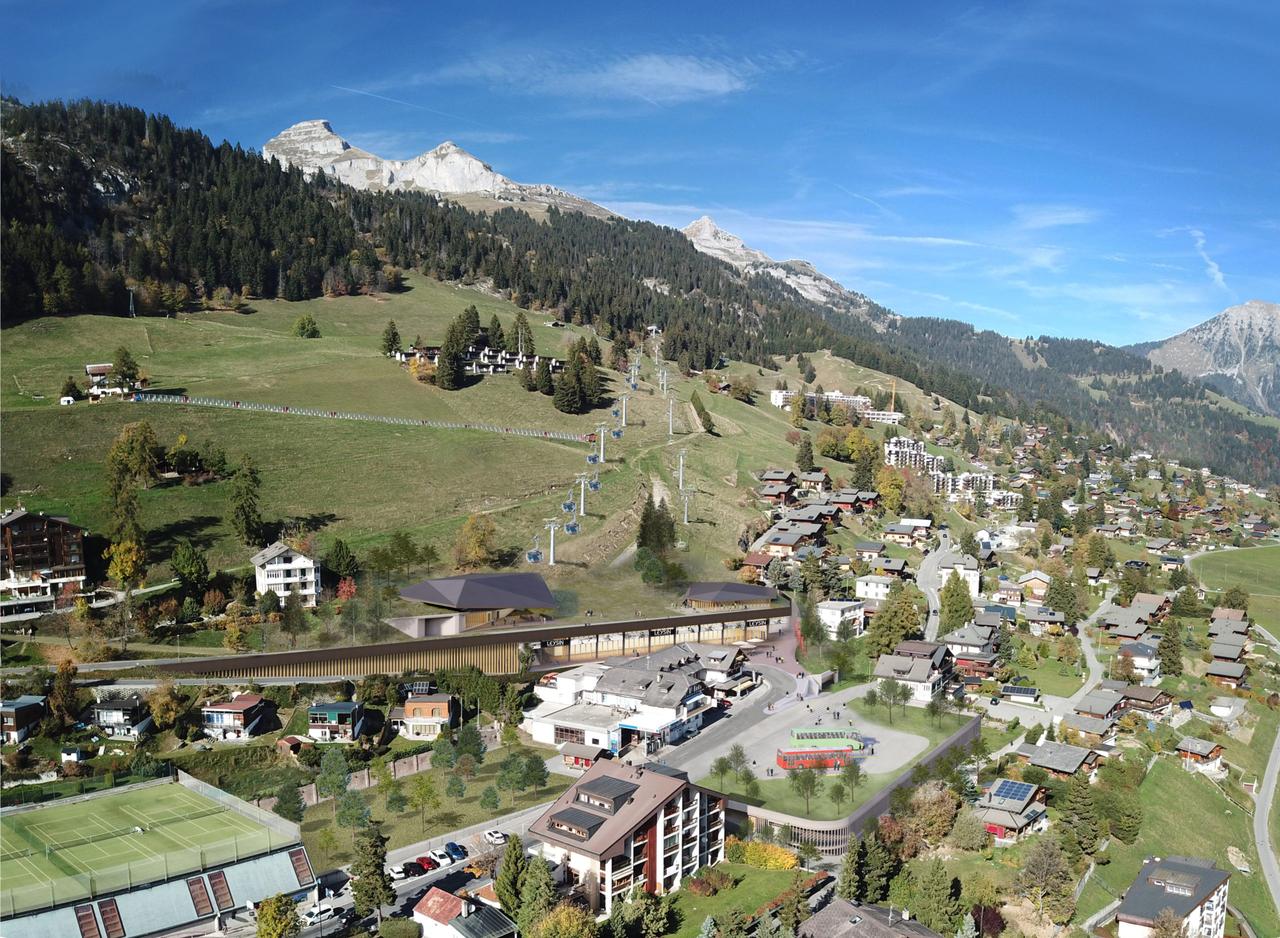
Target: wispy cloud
[1038,217]
[898,192]
[1201,244]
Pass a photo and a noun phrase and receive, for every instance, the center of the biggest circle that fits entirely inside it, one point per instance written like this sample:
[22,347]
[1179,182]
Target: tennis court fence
[148,398]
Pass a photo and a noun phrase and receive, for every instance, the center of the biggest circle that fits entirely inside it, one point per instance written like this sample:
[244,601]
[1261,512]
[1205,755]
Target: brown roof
[240,704]
[650,786]
[439,906]
[1222,612]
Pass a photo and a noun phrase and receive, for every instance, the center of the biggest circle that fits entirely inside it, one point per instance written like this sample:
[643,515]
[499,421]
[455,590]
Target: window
[570,734]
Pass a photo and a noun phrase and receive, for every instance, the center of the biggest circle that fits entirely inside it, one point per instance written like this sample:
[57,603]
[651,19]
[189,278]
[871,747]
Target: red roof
[756,558]
[439,906]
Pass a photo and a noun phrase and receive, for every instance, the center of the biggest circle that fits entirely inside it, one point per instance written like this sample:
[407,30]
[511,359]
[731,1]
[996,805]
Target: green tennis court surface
[132,835]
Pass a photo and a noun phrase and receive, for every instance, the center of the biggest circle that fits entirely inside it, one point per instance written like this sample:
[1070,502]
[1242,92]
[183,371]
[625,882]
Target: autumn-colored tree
[474,546]
[890,483]
[165,704]
[346,588]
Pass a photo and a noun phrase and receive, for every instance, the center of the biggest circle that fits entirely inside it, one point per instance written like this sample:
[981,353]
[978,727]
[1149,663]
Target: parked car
[495,837]
[456,851]
[726,704]
[412,869]
[995,701]
[319,913]
[441,857]
[428,863]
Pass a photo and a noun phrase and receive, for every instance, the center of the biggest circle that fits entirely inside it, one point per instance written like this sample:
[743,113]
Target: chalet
[815,480]
[728,595]
[758,560]
[1145,660]
[901,534]
[236,719]
[784,543]
[1226,627]
[1154,606]
[1095,575]
[1200,755]
[1151,703]
[872,587]
[1008,592]
[1226,673]
[424,716]
[282,570]
[785,476]
[1010,810]
[1159,545]
[890,566]
[971,638]
[20,716]
[1170,563]
[1093,731]
[1035,585]
[1060,760]
[337,722]
[123,717]
[1228,647]
[918,673]
[1106,530]
[98,374]
[1100,704]
[1045,621]
[1193,889]
[777,493]
[1125,625]
[1223,614]
[868,550]
[976,664]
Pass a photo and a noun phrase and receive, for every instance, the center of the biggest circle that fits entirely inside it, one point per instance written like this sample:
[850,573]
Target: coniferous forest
[103,199]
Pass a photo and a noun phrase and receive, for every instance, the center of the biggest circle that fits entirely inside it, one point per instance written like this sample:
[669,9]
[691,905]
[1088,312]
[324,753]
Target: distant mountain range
[447,170]
[1236,352]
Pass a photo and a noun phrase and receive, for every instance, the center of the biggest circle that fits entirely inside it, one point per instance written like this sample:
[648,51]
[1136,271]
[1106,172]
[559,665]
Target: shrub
[760,855]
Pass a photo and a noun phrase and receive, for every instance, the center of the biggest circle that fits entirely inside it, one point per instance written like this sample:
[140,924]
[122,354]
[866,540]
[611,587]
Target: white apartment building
[1195,889]
[902,452]
[834,613]
[873,587]
[967,568]
[284,570]
[962,486]
[858,402]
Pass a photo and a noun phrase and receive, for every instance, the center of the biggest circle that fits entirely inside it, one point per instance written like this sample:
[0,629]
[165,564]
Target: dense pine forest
[105,205]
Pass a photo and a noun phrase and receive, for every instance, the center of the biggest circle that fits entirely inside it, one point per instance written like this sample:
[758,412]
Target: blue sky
[1065,168]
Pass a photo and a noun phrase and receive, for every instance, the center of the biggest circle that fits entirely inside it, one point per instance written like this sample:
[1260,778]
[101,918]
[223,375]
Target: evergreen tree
[124,369]
[190,568]
[246,519]
[567,397]
[542,378]
[967,928]
[340,560]
[289,803]
[450,365]
[470,319]
[1080,814]
[593,352]
[390,338]
[937,906]
[957,605]
[537,894]
[510,871]
[1170,648]
[897,620]
[371,887]
[852,884]
[497,338]
[804,455]
[522,340]
[881,866]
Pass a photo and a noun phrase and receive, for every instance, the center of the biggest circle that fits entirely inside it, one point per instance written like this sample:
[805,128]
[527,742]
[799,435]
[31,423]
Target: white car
[319,913]
[441,857]
[495,837]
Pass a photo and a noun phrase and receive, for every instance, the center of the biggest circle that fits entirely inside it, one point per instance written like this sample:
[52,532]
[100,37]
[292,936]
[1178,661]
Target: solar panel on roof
[1015,791]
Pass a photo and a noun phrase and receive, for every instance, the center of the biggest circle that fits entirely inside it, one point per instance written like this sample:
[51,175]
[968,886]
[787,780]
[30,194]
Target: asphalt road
[929,580]
[1262,807]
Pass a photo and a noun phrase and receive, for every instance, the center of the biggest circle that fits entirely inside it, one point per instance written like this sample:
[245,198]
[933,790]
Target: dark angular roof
[729,592]
[1177,883]
[483,591]
[483,921]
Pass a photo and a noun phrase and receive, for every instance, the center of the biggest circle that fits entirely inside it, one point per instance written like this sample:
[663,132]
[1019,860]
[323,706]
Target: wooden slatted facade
[494,651]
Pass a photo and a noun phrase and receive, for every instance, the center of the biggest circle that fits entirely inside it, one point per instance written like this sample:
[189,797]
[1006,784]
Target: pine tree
[497,338]
[880,868]
[341,560]
[1170,648]
[470,319]
[1080,814]
[542,378]
[568,390]
[522,341]
[390,338]
[957,605]
[804,455]
[537,894]
[852,885]
[246,519]
[371,887]
[937,907]
[450,366]
[510,871]
[1061,596]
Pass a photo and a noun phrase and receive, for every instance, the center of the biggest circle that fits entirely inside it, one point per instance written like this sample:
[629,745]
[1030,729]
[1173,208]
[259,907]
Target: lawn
[777,794]
[751,889]
[1050,675]
[1170,799]
[409,827]
[1254,569]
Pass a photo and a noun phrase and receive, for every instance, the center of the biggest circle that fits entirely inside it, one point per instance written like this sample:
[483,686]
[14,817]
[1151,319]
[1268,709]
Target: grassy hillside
[360,481]
[1256,569]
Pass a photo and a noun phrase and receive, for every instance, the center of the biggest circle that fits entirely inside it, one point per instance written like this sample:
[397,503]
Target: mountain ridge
[1236,352]
[447,169]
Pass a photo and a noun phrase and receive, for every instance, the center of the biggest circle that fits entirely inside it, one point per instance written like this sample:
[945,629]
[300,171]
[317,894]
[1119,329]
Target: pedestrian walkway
[145,398]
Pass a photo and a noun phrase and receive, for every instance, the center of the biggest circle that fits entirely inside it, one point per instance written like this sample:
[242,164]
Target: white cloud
[1038,217]
[1211,267]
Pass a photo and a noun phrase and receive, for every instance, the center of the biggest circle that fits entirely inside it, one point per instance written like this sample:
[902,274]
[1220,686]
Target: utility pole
[601,430]
[582,494]
[671,417]
[552,525]
[624,409]
[681,470]
[686,496]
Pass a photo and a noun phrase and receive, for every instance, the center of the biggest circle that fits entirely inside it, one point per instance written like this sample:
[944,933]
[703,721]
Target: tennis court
[131,835]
